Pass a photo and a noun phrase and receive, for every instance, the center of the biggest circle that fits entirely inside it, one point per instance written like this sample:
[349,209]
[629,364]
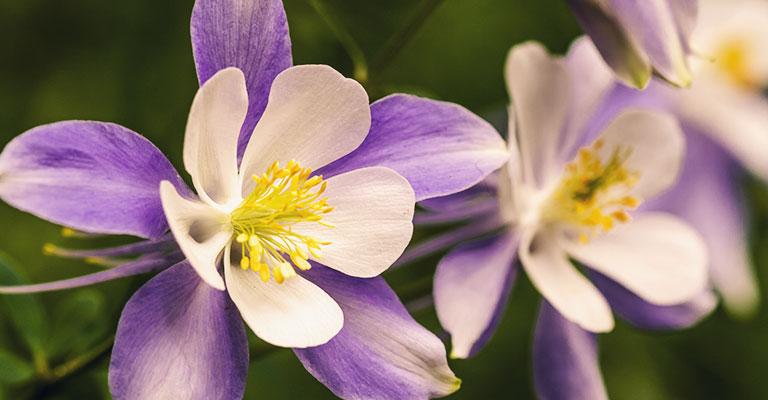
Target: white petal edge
[182,214]
[373,221]
[540,90]
[657,256]
[210,141]
[314,115]
[656,143]
[572,294]
[296,313]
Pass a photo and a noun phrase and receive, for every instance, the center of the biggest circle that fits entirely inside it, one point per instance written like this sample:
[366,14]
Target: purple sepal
[92,176]
[381,352]
[440,148]
[250,35]
[565,365]
[179,338]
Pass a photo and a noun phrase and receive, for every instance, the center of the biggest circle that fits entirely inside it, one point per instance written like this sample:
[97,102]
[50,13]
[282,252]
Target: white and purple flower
[724,115]
[572,190]
[641,38]
[304,192]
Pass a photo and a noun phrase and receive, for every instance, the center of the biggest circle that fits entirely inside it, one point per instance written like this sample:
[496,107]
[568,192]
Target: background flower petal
[381,353]
[471,288]
[251,35]
[441,148]
[618,49]
[652,26]
[657,256]
[558,281]
[539,87]
[707,198]
[92,176]
[650,316]
[179,338]
[565,364]
[656,146]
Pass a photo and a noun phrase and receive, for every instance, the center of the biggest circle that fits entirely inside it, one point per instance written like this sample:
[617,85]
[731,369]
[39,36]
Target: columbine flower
[725,117]
[640,38]
[325,180]
[568,194]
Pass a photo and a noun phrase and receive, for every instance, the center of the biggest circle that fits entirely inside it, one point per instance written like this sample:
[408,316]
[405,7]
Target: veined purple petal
[251,35]
[472,285]
[381,352]
[440,148]
[141,266]
[649,316]
[92,176]
[565,362]
[179,338]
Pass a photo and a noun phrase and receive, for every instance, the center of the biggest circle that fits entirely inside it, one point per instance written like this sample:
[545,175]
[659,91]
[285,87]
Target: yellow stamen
[593,194]
[262,223]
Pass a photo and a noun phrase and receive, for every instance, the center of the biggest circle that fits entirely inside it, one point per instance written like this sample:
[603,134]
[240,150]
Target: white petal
[656,143]
[314,115]
[595,79]
[199,231]
[657,256]
[210,142]
[296,313]
[539,87]
[373,221]
[561,284]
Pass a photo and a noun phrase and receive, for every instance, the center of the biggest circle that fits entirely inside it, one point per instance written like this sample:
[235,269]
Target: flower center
[733,59]
[262,222]
[593,194]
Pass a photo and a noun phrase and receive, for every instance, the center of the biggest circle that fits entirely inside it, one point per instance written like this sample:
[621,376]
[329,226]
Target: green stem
[354,51]
[406,32]
[70,367]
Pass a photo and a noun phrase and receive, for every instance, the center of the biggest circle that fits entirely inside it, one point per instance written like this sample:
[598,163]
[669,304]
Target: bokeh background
[130,62]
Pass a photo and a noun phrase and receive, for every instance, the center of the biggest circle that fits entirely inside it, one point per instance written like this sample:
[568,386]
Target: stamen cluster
[593,194]
[262,222]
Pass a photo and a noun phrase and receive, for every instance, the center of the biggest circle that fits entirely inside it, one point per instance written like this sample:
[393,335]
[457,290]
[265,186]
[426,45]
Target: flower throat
[262,222]
[593,194]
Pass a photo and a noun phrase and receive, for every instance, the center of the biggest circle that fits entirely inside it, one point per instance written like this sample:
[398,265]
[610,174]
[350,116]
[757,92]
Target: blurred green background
[130,62]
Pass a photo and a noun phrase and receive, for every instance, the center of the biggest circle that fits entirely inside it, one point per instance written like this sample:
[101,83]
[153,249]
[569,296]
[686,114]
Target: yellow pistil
[593,194]
[262,222]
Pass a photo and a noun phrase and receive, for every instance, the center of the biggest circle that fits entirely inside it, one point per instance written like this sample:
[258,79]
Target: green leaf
[79,321]
[14,370]
[25,311]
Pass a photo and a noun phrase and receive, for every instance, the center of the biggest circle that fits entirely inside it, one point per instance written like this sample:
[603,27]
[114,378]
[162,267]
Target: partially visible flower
[574,189]
[291,167]
[640,38]
[725,117]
